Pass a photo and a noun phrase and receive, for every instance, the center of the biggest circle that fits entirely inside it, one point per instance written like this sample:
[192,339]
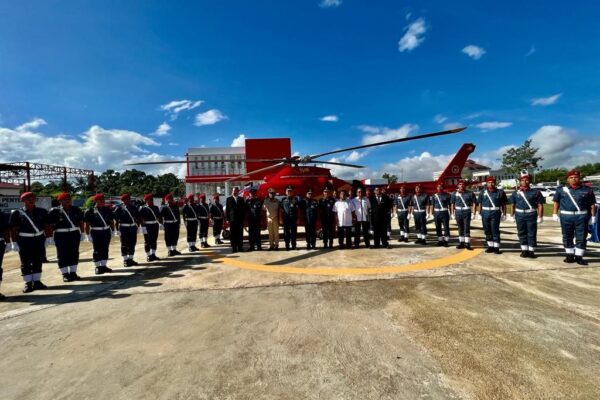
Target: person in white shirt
[345,217]
[362,209]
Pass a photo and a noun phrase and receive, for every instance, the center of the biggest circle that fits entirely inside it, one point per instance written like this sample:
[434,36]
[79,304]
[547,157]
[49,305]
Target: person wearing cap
[235,212]
[310,211]
[362,209]
[4,239]
[463,203]
[169,212]
[99,224]
[217,215]
[254,207]
[190,219]
[418,209]
[202,209]
[345,217]
[127,220]
[492,203]
[574,207]
[439,206]
[528,212]
[401,205]
[150,221]
[271,208]
[66,222]
[290,205]
[327,216]
[29,234]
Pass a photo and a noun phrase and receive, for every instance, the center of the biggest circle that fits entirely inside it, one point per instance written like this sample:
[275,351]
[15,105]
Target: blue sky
[92,77]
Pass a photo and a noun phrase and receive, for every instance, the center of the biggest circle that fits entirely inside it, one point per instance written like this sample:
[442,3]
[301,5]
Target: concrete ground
[429,323]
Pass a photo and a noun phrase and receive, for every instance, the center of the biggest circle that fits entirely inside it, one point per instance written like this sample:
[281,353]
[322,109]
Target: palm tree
[390,178]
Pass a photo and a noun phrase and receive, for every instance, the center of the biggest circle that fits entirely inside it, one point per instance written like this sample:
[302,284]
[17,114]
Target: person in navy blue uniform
[171,219]
[126,226]
[418,209]
[217,217]
[528,212]
[4,239]
[463,204]
[254,207]
[439,206]
[190,219]
[289,210]
[492,203]
[66,221]
[99,224]
[310,208]
[235,212]
[29,234]
[202,209]
[401,205]
[327,216]
[150,220]
[574,206]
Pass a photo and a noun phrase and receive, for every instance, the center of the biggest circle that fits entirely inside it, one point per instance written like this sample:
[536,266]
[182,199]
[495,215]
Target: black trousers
[67,248]
[203,231]
[310,229]
[237,236]
[31,254]
[380,233]
[491,224]
[403,221]
[527,229]
[217,227]
[254,233]
[328,228]
[361,228]
[463,221]
[420,222]
[151,238]
[128,239]
[2,248]
[191,228]
[345,235]
[290,232]
[171,233]
[442,223]
[100,243]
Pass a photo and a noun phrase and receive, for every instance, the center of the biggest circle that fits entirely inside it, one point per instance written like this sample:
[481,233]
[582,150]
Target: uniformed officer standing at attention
[126,225]
[576,205]
[4,239]
[98,227]
[29,228]
[289,212]
[528,211]
[327,215]
[235,212]
[380,215]
[345,218]
[190,219]
[216,216]
[418,209]
[362,207]
[271,207]
[202,209]
[254,212]
[401,205]
[151,221]
[493,210]
[464,204]
[169,213]
[310,208]
[66,221]
[440,203]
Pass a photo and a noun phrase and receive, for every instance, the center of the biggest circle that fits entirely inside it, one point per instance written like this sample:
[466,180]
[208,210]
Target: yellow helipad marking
[374,270]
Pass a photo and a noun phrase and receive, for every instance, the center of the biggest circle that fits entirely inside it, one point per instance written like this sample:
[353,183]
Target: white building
[208,167]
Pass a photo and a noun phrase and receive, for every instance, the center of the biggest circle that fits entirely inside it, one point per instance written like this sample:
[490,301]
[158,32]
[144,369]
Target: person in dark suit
[235,212]
[380,211]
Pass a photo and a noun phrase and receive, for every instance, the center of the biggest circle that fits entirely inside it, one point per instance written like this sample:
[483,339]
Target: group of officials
[352,218]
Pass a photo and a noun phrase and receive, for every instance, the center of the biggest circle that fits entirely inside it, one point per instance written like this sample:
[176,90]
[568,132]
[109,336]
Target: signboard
[9,203]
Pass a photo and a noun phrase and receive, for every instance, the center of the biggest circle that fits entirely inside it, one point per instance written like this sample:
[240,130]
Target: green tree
[135,182]
[588,169]
[168,183]
[390,178]
[109,182]
[522,157]
[551,175]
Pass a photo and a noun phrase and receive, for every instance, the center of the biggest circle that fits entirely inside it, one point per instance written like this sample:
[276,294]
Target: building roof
[193,151]
[472,165]
[6,185]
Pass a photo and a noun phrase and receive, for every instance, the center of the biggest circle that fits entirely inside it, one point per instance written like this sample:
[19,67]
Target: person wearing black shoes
[202,209]
[380,214]
[150,223]
[127,221]
[362,207]
[418,209]
[217,216]
[440,203]
[463,203]
[401,205]
[272,210]
[5,245]
[29,227]
[527,211]
[289,210]
[345,218]
[327,216]
[98,226]
[190,219]
[492,202]
[254,207]
[310,210]
[235,212]
[576,205]
[169,213]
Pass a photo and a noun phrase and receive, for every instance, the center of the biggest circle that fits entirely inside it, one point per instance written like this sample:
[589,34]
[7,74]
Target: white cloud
[355,156]
[593,153]
[33,124]
[162,130]
[545,101]
[452,125]
[178,169]
[330,118]
[209,117]
[172,144]
[347,173]
[173,108]
[330,3]
[239,141]
[416,168]
[382,133]
[491,125]
[555,144]
[531,51]
[414,36]
[407,16]
[475,52]
[440,119]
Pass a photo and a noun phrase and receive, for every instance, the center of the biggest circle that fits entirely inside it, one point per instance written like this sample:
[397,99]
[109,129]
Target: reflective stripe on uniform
[525,211]
[25,234]
[63,230]
[583,212]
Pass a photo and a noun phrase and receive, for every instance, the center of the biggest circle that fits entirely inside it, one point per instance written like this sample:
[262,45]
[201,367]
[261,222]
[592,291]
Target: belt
[127,225]
[440,209]
[403,210]
[202,217]
[25,234]
[63,230]
[490,208]
[528,211]
[418,211]
[99,228]
[583,212]
[191,219]
[170,222]
[217,217]
[462,208]
[150,222]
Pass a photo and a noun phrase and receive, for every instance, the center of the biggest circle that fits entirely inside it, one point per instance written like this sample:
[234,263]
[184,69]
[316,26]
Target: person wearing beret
[99,224]
[190,219]
[464,204]
[492,203]
[419,205]
[169,212]
[127,221]
[439,207]
[528,213]
[217,216]
[202,209]
[151,222]
[574,207]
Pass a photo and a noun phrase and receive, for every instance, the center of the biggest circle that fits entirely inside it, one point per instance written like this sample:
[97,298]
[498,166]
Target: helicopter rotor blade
[247,174]
[203,161]
[406,139]
[337,163]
